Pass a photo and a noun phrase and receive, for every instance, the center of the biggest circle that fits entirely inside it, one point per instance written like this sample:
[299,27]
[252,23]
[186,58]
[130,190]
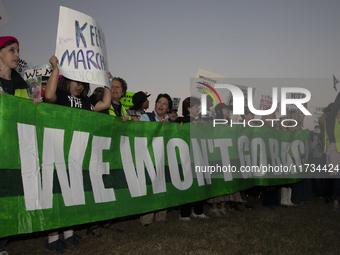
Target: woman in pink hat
[10,81]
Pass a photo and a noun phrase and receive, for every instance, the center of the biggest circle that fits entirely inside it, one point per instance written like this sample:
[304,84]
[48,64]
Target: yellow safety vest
[336,136]
[21,93]
[123,112]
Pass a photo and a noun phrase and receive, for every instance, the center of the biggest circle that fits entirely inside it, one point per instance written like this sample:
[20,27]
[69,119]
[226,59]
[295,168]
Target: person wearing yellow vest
[332,139]
[118,90]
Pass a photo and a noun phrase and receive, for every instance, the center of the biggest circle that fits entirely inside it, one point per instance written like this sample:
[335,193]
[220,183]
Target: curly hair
[122,83]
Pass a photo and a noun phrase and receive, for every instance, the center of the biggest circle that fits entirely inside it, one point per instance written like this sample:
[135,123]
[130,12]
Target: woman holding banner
[118,90]
[162,107]
[10,82]
[69,93]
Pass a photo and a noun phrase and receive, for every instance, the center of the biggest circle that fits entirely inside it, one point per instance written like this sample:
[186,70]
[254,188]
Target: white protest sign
[266,102]
[204,83]
[175,102]
[36,78]
[37,71]
[293,107]
[4,19]
[22,66]
[81,48]
[317,114]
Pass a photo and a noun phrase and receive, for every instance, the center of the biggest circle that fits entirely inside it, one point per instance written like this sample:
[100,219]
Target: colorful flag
[335,81]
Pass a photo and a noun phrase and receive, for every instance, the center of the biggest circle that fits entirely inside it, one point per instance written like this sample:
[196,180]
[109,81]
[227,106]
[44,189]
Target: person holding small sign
[72,93]
[69,93]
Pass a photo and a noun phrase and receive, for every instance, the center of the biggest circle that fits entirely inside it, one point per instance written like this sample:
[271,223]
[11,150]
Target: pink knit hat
[5,39]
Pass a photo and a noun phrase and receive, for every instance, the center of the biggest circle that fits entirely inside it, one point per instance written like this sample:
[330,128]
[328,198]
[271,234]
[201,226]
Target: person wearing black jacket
[10,82]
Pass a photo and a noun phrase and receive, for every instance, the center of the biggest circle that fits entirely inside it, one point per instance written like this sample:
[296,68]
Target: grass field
[310,229]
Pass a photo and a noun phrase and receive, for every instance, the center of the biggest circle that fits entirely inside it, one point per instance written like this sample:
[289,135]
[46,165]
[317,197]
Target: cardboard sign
[203,84]
[175,102]
[317,114]
[291,108]
[266,102]
[81,48]
[36,78]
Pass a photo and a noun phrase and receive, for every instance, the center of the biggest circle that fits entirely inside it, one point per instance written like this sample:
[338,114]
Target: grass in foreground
[310,229]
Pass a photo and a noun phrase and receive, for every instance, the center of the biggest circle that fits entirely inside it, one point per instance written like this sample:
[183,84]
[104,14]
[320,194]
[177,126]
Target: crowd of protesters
[107,100]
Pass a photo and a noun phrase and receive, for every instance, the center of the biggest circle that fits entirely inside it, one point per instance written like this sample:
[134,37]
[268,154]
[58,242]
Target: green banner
[62,166]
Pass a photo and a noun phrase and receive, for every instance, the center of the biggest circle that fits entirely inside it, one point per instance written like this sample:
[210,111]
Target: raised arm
[51,86]
[105,102]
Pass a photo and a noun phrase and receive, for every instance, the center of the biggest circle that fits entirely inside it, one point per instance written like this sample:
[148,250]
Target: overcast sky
[157,46]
